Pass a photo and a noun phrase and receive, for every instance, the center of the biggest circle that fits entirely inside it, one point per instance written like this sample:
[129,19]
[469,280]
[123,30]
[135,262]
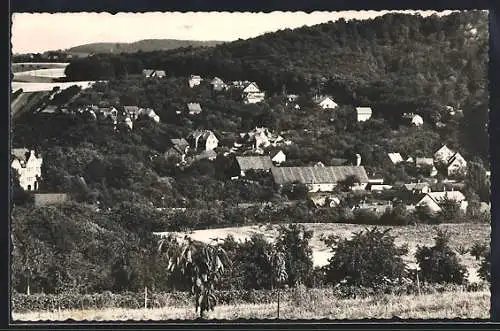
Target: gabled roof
[276,152]
[455,156]
[254,162]
[250,84]
[444,149]
[395,157]
[310,175]
[451,195]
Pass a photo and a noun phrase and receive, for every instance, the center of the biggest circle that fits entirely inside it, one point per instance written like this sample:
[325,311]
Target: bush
[369,259]
[440,264]
[482,253]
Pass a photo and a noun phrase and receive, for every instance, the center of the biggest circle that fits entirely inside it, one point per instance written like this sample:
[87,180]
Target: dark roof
[20,153]
[310,175]
[254,162]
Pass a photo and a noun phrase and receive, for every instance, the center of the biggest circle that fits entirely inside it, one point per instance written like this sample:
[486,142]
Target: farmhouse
[28,166]
[252,93]
[194,108]
[433,200]
[256,163]
[203,140]
[325,102]
[194,80]
[251,88]
[320,179]
[363,114]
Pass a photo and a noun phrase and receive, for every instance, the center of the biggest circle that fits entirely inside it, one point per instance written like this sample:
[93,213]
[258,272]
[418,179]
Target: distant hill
[147,45]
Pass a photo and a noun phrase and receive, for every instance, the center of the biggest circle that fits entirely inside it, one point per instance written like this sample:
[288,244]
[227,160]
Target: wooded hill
[146,45]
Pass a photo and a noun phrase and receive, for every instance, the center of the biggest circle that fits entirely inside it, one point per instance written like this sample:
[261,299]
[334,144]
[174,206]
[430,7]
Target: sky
[39,32]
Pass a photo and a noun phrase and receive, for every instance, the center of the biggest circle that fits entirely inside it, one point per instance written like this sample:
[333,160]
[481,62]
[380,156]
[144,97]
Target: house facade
[363,114]
[29,167]
[194,80]
[457,165]
[443,155]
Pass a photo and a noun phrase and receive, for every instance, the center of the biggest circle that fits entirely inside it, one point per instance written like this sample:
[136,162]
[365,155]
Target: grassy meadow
[446,305]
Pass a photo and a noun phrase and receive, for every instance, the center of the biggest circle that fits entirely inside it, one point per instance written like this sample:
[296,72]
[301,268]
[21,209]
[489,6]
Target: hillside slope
[147,45]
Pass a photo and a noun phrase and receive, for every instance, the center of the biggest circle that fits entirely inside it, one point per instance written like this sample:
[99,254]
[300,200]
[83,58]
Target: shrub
[369,259]
[440,264]
[482,253]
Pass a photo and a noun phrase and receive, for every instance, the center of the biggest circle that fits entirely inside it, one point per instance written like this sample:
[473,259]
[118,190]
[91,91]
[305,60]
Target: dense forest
[396,64]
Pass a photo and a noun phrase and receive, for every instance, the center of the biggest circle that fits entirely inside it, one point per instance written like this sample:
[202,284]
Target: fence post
[278,303]
[418,282]
[145,297]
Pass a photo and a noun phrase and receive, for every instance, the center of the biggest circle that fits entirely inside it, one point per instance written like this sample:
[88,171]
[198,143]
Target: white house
[443,155]
[252,88]
[194,108]
[218,84]
[417,120]
[433,200]
[29,167]
[326,103]
[456,165]
[194,80]
[278,157]
[363,114]
[254,97]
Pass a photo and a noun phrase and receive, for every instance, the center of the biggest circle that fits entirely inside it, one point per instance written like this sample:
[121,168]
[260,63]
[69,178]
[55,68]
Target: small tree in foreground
[202,266]
[482,253]
[369,259]
[440,264]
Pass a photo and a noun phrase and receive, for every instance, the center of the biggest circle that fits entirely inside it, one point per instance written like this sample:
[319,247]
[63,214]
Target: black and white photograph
[243,165]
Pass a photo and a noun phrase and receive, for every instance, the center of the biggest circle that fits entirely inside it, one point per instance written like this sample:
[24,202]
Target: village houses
[454,163]
[363,114]
[395,158]
[414,119]
[194,80]
[28,166]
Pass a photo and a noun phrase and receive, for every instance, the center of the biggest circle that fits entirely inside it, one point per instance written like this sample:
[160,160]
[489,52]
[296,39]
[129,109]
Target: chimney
[358,160]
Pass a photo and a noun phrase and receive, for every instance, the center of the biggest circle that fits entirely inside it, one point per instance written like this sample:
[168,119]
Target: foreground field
[462,235]
[437,306]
